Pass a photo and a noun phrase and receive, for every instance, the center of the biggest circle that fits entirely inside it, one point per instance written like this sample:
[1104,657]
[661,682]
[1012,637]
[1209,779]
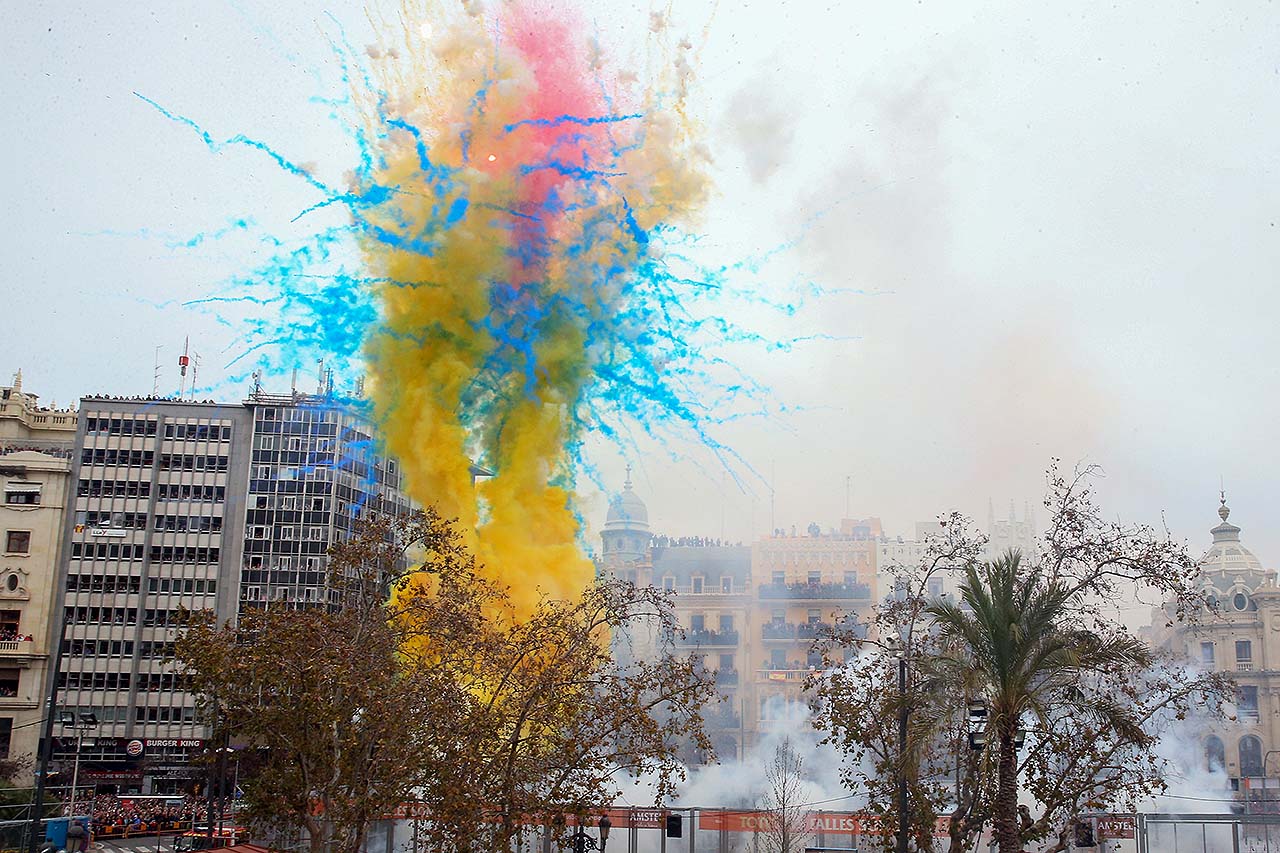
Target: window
[1215,754]
[17,542]
[1244,651]
[1206,654]
[22,494]
[669,583]
[850,578]
[1250,756]
[778,578]
[778,617]
[698,623]
[778,659]
[726,583]
[1247,702]
[935,587]
[6,734]
[815,616]
[726,663]
[1240,601]
[815,578]
[726,622]
[697,584]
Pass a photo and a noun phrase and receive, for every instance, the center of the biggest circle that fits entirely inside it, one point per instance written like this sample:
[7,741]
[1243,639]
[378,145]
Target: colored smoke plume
[515,193]
[516,268]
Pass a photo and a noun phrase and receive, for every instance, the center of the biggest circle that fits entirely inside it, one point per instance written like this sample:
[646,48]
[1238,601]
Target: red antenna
[183,361]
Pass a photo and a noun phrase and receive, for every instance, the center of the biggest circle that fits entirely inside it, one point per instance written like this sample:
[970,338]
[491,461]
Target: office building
[184,506]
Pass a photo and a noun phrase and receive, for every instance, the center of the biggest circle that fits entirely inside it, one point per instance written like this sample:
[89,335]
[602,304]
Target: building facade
[187,506]
[748,612]
[1242,638]
[35,466]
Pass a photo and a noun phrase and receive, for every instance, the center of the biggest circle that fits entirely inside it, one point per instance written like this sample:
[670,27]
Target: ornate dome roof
[1227,555]
[627,511]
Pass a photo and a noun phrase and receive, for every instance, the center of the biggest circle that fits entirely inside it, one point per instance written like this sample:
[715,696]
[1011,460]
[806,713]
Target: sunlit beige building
[35,467]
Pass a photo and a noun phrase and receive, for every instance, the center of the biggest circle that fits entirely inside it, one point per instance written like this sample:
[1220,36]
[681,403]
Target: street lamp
[87,721]
[582,842]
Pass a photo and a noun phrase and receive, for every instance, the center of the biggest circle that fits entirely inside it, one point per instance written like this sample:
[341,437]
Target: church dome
[627,511]
[1227,555]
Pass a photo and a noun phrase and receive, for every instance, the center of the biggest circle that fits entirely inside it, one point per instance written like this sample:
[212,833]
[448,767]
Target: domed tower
[1231,569]
[626,531]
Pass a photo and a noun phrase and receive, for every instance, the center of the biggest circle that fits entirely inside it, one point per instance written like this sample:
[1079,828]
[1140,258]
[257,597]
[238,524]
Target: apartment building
[750,612]
[184,506]
[35,465]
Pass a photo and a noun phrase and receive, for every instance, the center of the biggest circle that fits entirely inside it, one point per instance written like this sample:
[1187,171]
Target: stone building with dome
[750,612]
[1243,639]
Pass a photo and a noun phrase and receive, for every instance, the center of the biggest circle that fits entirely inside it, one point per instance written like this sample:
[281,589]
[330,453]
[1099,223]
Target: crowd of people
[663,541]
[112,814]
[10,633]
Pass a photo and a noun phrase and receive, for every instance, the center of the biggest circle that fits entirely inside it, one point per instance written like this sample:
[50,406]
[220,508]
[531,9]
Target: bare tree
[1090,742]
[787,815]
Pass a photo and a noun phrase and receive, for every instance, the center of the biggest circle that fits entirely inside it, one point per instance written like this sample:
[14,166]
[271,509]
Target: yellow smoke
[430,362]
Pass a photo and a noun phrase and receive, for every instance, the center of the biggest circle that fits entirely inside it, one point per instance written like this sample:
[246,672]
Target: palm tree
[1013,645]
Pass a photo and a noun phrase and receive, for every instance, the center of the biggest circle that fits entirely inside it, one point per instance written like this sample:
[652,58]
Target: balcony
[17,648]
[706,637]
[727,678]
[1244,666]
[788,631]
[791,676]
[816,591]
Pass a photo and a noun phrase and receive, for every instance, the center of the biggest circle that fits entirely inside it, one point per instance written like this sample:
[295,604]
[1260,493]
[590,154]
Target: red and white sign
[1116,826]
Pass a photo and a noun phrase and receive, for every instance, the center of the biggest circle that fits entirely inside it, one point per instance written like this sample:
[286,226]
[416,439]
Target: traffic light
[675,826]
[1084,834]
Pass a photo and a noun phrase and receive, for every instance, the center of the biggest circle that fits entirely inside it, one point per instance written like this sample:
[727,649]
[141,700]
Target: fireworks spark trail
[522,215]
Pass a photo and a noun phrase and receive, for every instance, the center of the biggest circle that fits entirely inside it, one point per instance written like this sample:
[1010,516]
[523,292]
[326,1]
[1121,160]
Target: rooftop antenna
[319,377]
[155,379]
[359,386]
[257,383]
[293,383]
[183,361]
[848,495]
[195,367]
[773,478]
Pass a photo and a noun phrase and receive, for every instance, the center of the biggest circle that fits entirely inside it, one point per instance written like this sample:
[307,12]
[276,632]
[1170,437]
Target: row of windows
[119,426]
[310,564]
[178,554]
[106,551]
[289,502]
[188,492]
[111,456]
[133,584]
[104,583]
[189,462]
[114,489]
[188,586]
[288,532]
[283,593]
[98,615]
[1244,652]
[697,584]
[117,648]
[197,432]
[165,715]
[104,518]
[189,523]
[94,680]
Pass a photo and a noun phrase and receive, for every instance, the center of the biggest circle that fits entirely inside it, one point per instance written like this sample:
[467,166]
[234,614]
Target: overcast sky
[1061,217]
